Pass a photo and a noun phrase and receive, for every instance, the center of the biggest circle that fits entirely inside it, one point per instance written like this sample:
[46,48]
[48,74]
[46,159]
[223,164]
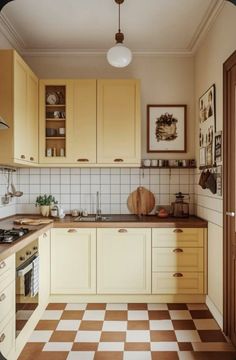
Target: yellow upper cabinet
[19,108]
[84,143]
[118,122]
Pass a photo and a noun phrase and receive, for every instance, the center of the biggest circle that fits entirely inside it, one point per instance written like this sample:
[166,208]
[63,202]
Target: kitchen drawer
[170,283]
[7,267]
[7,299]
[172,237]
[7,337]
[177,259]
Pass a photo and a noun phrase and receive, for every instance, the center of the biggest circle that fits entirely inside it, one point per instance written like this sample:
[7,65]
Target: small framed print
[166,128]
[202,156]
[218,147]
[219,180]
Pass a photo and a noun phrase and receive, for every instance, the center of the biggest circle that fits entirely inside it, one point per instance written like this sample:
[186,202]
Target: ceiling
[89,26]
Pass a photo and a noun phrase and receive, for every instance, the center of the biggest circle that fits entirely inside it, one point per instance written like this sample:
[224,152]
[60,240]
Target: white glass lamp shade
[119,56]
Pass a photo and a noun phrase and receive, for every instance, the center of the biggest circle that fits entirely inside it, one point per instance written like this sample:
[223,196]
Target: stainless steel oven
[27,284]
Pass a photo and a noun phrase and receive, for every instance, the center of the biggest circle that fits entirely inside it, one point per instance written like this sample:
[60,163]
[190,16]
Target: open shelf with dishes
[55,121]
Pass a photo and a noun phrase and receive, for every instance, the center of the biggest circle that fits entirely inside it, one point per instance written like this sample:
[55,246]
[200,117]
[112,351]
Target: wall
[164,80]
[218,45]
[76,188]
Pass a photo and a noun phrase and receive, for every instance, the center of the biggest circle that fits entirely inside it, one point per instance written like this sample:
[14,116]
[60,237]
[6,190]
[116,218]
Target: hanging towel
[35,277]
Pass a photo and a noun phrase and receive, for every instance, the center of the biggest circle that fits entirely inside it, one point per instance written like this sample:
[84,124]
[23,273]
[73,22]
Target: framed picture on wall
[166,128]
[207,125]
[218,147]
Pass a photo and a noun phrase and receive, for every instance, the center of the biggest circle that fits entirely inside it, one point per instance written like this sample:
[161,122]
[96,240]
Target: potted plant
[45,202]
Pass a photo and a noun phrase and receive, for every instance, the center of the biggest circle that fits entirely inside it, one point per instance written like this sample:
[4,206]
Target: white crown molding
[206,24]
[19,44]
[11,34]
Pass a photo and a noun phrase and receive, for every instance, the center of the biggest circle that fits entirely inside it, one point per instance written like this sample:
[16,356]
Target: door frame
[227,181]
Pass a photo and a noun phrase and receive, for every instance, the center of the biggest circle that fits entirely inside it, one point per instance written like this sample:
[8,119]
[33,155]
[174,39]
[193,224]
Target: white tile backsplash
[76,188]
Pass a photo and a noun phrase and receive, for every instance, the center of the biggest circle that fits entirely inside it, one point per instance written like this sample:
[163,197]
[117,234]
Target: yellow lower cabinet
[177,283]
[73,261]
[175,237]
[177,259]
[7,336]
[124,261]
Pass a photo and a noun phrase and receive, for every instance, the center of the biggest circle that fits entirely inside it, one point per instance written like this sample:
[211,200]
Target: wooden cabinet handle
[177,230]
[2,297]
[31,158]
[178,275]
[118,160]
[2,337]
[83,160]
[22,156]
[178,250]
[2,264]
[72,231]
[122,230]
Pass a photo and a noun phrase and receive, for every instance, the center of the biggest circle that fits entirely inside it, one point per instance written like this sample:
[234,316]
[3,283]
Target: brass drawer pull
[22,156]
[2,264]
[28,253]
[83,160]
[118,160]
[177,230]
[72,231]
[31,158]
[2,297]
[178,275]
[178,250]
[122,230]
[2,337]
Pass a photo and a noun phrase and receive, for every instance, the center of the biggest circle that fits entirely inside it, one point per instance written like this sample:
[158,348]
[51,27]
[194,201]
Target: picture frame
[218,147]
[207,125]
[166,128]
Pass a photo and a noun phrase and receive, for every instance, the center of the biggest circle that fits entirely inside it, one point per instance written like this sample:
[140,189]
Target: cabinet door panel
[32,113]
[177,259]
[169,283]
[124,261]
[186,237]
[73,261]
[118,122]
[84,144]
[21,128]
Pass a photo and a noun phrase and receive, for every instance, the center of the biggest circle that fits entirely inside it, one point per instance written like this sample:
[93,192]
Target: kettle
[179,208]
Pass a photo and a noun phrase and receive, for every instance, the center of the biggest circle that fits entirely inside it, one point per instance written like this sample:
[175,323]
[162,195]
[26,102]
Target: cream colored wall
[164,80]
[218,45]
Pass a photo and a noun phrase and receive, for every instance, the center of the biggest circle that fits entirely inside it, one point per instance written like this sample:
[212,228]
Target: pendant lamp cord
[119,19]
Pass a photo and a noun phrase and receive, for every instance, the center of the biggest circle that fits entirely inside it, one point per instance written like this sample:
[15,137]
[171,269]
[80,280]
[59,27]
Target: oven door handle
[24,271]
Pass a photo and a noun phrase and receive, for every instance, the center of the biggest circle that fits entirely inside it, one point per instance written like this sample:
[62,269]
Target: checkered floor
[127,332]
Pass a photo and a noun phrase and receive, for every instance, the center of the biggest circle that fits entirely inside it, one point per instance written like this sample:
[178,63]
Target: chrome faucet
[98,206]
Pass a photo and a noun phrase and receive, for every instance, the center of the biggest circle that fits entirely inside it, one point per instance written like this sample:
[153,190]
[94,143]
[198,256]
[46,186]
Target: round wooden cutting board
[141,201]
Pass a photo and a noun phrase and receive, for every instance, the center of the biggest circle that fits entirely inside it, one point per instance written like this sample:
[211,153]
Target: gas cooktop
[11,235]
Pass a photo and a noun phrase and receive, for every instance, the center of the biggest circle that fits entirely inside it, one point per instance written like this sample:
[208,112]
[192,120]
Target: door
[84,144]
[229,198]
[124,261]
[118,122]
[73,261]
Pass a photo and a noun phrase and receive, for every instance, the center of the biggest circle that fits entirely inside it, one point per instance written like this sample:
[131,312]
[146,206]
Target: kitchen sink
[106,218]
[91,218]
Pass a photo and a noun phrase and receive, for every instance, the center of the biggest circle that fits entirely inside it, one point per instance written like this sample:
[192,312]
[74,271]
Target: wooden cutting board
[27,221]
[141,201]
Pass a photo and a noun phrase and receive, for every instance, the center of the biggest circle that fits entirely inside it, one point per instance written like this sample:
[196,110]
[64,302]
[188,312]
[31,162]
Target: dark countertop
[117,221]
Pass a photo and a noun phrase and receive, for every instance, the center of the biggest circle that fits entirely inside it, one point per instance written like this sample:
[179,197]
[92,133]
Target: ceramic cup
[147,162]
[185,163]
[61,131]
[154,162]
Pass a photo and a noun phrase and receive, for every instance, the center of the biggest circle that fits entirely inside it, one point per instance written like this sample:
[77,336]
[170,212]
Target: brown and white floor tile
[127,332]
